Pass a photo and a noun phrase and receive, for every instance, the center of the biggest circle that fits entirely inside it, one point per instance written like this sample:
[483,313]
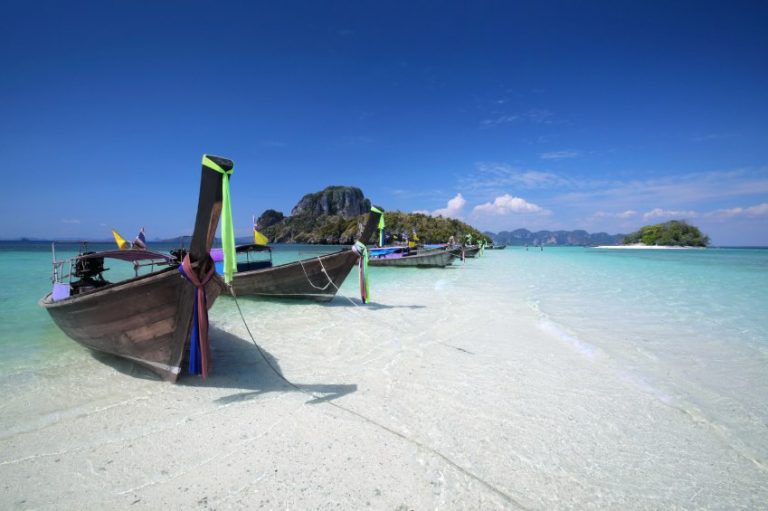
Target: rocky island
[334,215]
[577,238]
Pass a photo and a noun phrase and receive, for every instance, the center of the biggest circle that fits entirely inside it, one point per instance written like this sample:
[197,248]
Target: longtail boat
[471,251]
[316,278]
[148,318]
[464,252]
[403,257]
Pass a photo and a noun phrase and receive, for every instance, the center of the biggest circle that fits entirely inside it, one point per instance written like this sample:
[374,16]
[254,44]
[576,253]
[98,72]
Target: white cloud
[454,208]
[665,213]
[540,116]
[492,176]
[431,193]
[752,211]
[559,155]
[533,115]
[624,215]
[696,187]
[507,204]
[497,121]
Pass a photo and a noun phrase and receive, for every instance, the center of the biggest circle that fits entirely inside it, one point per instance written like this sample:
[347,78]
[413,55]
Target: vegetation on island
[336,215]
[676,233]
[577,238]
[429,229]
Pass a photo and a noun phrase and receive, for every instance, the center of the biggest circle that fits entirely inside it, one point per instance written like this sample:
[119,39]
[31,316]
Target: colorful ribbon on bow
[362,264]
[381,224]
[198,342]
[227,228]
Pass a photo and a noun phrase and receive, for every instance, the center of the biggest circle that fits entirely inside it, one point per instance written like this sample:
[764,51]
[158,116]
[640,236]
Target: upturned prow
[371,224]
[208,209]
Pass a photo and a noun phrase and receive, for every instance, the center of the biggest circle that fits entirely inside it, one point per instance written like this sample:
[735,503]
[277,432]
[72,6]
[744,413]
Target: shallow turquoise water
[688,326]
[28,337]
[683,330]
[573,377]
[672,302]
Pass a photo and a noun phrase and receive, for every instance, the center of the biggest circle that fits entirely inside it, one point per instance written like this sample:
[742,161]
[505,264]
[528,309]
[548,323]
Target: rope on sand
[500,493]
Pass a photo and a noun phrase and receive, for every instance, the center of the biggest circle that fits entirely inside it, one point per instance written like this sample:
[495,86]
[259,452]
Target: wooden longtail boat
[148,318]
[437,258]
[463,252]
[316,278]
[496,247]
[470,251]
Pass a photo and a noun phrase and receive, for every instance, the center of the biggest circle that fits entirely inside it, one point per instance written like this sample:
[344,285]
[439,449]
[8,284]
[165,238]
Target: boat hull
[146,320]
[316,278]
[471,251]
[430,259]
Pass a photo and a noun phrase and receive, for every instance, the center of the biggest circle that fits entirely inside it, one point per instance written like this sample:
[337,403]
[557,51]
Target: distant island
[578,238]
[675,233]
[334,216]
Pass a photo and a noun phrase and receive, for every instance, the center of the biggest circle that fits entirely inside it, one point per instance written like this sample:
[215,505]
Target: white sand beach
[427,399]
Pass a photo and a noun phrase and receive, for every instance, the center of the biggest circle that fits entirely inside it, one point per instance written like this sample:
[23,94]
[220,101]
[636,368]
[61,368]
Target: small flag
[140,241]
[258,238]
[121,243]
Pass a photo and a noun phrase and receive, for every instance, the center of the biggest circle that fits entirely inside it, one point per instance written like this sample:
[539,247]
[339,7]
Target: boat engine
[89,268]
[178,254]
[89,272]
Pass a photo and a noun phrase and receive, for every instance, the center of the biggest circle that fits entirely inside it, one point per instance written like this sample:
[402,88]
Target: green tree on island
[676,233]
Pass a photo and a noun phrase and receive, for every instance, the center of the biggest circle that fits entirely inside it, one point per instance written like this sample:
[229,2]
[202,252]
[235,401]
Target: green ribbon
[381,224]
[227,228]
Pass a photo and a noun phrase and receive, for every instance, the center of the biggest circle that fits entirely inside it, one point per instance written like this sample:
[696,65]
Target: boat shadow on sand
[356,302]
[238,365]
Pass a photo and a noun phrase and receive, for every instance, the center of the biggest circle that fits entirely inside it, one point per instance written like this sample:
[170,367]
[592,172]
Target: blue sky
[603,116]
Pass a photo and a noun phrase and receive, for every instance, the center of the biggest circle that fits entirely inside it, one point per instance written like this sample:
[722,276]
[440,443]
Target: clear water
[703,311]
[28,337]
[688,326]
[685,330]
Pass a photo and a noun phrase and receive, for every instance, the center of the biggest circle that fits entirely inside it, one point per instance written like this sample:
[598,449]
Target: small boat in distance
[471,251]
[315,278]
[147,318]
[405,257]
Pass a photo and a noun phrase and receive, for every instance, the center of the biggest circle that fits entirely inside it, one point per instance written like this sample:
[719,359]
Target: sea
[686,328]
[29,340]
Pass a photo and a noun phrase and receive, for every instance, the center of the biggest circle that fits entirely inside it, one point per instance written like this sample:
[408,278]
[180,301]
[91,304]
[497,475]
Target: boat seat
[60,291]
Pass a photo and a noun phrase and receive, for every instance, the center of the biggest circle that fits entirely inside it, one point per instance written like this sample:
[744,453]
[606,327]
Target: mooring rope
[507,498]
[323,270]
[330,282]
